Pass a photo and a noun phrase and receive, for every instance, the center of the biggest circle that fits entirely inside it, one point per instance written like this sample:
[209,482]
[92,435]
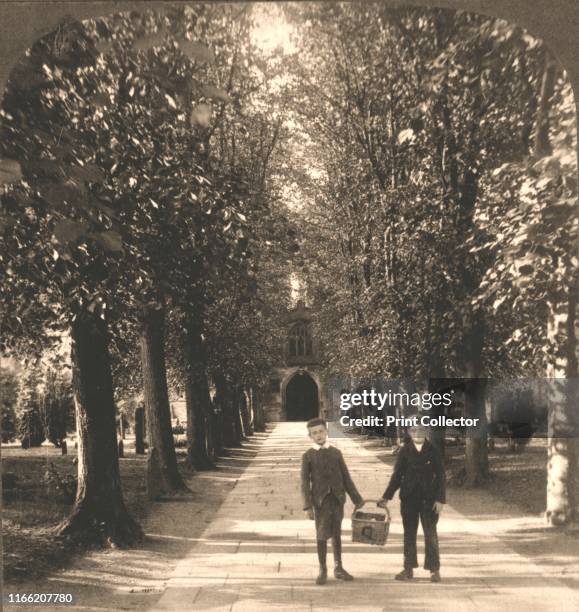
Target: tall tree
[62,255]
[403,131]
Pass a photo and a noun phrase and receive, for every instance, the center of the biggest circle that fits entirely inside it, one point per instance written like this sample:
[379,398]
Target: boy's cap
[415,430]
[315,422]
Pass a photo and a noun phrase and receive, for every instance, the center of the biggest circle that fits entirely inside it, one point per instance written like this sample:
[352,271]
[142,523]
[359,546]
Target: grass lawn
[31,513]
[516,477]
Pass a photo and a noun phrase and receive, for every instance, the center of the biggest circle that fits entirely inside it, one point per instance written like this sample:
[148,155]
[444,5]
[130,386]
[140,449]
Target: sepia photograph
[289,305]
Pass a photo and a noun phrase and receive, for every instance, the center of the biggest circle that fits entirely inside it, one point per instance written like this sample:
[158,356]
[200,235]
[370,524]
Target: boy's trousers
[413,509]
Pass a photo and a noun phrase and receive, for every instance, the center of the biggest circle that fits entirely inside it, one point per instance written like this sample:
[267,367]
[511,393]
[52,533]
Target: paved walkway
[259,553]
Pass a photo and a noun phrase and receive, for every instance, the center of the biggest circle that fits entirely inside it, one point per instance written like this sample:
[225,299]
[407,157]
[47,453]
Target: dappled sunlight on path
[259,552]
[133,579]
[242,543]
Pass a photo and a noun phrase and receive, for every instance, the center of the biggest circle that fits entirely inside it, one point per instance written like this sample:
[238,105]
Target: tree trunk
[563,442]
[399,411]
[220,402]
[235,416]
[217,409]
[251,409]
[218,427]
[230,411]
[212,425]
[157,399]
[437,435]
[238,414]
[259,416]
[476,451]
[562,462]
[99,513]
[562,371]
[198,401]
[232,432]
[244,413]
[140,430]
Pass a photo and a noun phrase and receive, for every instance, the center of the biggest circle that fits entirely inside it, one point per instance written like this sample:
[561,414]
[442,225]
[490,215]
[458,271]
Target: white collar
[317,446]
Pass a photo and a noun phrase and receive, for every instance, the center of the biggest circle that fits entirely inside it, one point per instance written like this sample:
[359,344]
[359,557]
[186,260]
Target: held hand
[383,503]
[310,514]
[438,507]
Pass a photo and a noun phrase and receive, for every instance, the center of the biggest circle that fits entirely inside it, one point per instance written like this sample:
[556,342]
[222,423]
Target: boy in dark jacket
[419,474]
[325,482]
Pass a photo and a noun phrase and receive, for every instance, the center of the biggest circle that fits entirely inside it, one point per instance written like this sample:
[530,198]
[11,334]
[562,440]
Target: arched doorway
[301,398]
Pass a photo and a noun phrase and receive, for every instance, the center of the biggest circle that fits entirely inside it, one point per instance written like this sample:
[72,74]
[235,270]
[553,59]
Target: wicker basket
[370,527]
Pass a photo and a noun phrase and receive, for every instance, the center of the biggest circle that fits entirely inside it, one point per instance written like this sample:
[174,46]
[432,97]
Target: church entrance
[301,398]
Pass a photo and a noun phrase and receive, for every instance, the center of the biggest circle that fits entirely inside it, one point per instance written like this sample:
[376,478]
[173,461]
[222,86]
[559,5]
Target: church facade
[296,390]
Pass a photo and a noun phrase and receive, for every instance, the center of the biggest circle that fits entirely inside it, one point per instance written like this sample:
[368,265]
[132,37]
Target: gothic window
[300,340]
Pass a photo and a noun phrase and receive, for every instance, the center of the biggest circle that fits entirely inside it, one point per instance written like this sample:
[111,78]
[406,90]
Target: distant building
[296,388]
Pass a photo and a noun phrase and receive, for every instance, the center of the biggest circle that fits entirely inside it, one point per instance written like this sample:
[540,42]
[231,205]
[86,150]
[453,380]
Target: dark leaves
[215,93]
[111,241]
[67,231]
[197,51]
[89,172]
[59,196]
[146,43]
[10,171]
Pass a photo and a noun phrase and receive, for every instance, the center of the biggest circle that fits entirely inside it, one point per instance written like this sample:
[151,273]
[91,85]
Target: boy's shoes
[341,574]
[322,576]
[434,576]
[405,574]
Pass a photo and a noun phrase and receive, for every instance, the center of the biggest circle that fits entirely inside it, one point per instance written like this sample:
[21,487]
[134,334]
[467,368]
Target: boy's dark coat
[324,471]
[418,475]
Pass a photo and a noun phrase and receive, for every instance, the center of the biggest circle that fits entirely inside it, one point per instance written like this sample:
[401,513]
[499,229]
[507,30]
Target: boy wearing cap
[325,481]
[419,474]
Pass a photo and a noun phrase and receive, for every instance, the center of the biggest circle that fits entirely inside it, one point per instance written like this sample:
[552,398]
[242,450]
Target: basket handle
[366,501]
[376,501]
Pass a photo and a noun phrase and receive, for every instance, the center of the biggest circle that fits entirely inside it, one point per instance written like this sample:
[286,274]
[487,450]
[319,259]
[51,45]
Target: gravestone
[9,480]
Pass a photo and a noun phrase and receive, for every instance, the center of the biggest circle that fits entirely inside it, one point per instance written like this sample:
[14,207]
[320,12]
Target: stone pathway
[259,552]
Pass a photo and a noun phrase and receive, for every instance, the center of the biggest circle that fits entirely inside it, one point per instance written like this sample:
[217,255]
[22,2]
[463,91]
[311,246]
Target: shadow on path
[259,552]
[128,579]
[555,551]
